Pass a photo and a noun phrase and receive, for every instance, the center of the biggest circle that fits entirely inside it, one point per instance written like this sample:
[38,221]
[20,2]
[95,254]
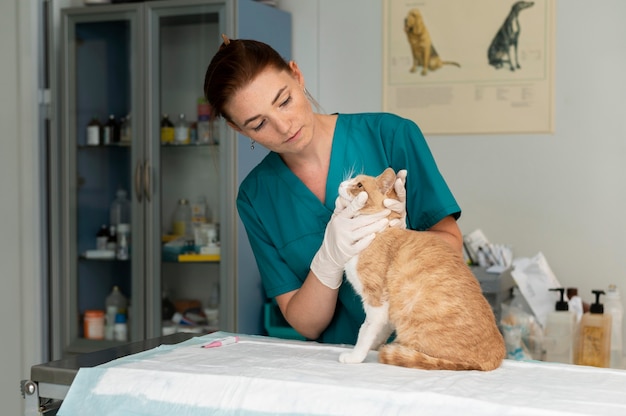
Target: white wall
[562,194]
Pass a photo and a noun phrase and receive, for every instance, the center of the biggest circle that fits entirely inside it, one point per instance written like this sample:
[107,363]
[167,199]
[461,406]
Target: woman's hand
[398,205]
[347,233]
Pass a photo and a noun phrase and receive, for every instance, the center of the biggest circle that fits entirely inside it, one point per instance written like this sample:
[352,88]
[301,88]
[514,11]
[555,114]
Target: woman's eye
[257,128]
[287,101]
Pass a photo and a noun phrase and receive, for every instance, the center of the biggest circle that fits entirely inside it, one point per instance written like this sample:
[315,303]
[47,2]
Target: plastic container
[594,336]
[613,307]
[560,332]
[181,225]
[181,130]
[167,130]
[111,131]
[120,209]
[120,329]
[116,303]
[126,130]
[102,237]
[94,132]
[94,324]
[123,241]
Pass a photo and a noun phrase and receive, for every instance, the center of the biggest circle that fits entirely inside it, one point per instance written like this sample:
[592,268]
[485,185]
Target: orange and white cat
[418,285]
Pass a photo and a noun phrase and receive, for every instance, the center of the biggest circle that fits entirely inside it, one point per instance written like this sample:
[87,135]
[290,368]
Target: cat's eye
[359,185]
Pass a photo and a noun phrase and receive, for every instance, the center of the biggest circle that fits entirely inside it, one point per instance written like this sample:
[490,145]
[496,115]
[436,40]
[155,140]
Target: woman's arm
[449,230]
[309,309]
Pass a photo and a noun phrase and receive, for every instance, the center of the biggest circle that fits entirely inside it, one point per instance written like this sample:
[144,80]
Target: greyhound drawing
[506,38]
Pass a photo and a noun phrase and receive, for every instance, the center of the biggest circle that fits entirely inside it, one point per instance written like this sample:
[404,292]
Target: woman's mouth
[292,138]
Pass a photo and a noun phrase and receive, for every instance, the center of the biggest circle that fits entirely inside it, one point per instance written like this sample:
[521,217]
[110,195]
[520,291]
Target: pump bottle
[613,307]
[560,332]
[594,338]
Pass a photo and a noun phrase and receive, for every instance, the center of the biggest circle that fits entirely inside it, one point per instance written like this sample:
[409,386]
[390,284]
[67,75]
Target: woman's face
[274,111]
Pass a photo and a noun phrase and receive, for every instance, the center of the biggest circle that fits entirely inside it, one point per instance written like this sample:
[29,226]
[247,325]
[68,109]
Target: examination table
[269,376]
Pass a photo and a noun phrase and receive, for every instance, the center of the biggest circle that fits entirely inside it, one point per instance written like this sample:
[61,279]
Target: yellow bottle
[594,337]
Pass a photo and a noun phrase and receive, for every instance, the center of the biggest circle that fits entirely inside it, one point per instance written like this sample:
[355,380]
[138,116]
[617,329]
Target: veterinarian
[301,232]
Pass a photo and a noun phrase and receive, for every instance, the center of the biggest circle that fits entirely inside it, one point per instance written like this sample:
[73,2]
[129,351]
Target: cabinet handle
[146,181]
[138,170]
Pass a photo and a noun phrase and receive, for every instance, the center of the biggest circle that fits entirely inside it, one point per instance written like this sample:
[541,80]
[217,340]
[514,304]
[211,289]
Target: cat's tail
[398,354]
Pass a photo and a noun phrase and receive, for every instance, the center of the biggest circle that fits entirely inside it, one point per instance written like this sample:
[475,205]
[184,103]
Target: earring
[252,142]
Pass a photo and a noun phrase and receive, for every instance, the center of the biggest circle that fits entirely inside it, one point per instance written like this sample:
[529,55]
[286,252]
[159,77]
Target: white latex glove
[347,233]
[398,205]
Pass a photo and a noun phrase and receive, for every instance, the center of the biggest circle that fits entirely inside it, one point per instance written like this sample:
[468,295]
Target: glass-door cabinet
[150,243]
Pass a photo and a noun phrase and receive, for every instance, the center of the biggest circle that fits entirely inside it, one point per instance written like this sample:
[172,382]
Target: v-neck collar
[296,186]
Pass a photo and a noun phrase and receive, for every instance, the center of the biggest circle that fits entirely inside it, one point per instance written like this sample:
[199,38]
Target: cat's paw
[351,357]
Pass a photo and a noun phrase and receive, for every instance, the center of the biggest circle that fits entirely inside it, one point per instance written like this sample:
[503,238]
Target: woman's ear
[297,74]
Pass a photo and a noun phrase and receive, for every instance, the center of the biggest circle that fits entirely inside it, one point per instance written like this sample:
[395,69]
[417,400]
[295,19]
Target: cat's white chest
[353,276]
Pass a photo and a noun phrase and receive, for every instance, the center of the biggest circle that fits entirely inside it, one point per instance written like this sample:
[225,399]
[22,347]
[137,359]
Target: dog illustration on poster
[422,47]
[504,44]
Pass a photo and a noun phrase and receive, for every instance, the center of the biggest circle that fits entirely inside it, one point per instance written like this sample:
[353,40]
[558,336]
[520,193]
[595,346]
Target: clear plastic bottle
[613,306]
[181,130]
[182,219]
[123,241]
[116,303]
[120,209]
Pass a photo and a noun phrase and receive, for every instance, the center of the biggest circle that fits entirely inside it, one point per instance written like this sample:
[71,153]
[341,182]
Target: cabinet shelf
[183,145]
[105,146]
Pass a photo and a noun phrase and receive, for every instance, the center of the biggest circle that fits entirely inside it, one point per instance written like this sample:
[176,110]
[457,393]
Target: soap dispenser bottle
[560,332]
[594,339]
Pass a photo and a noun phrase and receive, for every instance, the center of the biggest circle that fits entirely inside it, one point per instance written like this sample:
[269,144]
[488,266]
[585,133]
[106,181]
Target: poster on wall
[470,67]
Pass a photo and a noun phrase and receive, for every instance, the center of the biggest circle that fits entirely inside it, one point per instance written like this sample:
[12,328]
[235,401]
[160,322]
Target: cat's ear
[386,180]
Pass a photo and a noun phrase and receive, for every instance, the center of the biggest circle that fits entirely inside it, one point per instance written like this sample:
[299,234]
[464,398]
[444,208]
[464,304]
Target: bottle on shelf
[94,326]
[102,237]
[560,332]
[111,131]
[613,306]
[123,241]
[116,304]
[167,129]
[126,130]
[120,329]
[204,122]
[94,132]
[594,336]
[182,219]
[120,209]
[112,240]
[181,130]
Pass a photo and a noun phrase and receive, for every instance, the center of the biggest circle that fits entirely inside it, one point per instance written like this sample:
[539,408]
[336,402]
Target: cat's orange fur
[418,285]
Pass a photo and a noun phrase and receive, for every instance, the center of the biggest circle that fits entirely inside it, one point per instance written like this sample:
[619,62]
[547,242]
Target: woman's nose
[283,124]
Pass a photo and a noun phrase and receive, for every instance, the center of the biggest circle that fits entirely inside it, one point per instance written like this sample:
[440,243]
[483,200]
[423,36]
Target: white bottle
[613,306]
[181,130]
[560,332]
[120,330]
[116,304]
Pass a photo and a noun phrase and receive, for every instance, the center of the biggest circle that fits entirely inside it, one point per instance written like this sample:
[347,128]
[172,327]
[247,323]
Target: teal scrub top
[285,221]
